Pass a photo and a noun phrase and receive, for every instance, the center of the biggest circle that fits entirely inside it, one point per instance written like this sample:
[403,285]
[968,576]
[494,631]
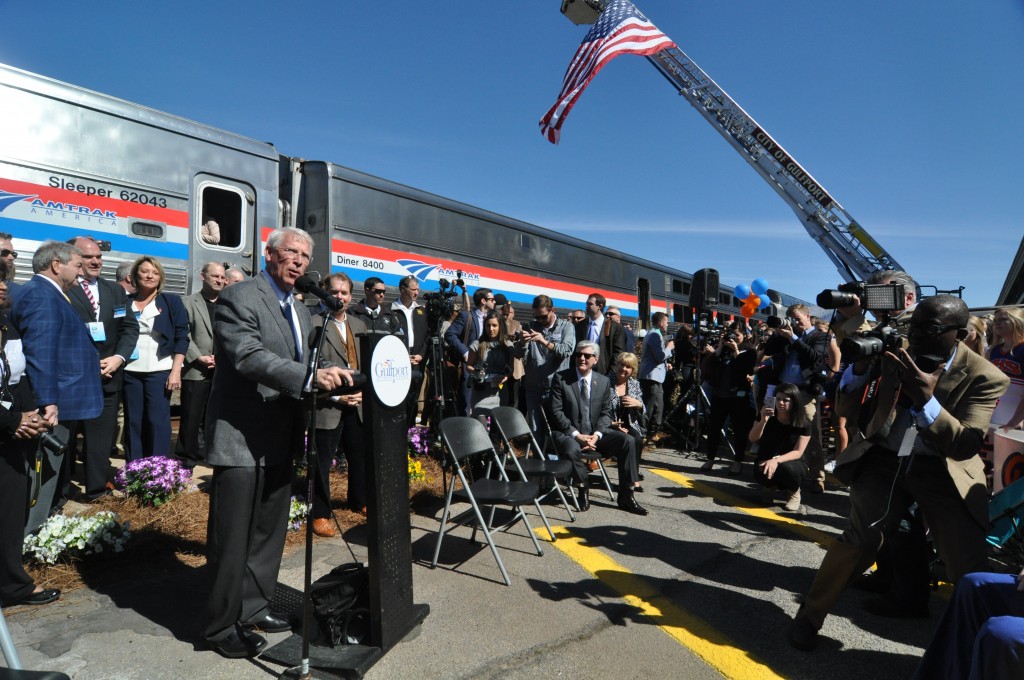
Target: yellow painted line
[752,509]
[698,635]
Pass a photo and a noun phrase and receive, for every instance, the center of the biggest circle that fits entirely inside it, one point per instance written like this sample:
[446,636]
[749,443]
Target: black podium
[392,612]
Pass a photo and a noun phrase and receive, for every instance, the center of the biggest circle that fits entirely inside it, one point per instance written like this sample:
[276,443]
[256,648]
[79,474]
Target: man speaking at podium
[254,431]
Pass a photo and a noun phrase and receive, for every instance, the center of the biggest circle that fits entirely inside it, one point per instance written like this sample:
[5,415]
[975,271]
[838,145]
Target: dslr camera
[877,297]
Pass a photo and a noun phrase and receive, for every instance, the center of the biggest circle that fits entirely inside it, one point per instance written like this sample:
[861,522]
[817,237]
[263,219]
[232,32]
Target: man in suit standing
[102,306]
[581,415]
[61,360]
[921,446]
[200,361]
[339,419]
[410,318]
[254,429]
[466,328]
[606,332]
[654,366]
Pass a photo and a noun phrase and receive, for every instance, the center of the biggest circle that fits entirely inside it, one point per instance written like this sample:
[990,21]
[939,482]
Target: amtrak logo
[421,270]
[7,199]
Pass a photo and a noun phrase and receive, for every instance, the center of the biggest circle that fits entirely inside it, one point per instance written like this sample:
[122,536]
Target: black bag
[341,600]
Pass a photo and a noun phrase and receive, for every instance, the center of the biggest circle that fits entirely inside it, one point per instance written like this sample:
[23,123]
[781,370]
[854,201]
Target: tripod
[688,417]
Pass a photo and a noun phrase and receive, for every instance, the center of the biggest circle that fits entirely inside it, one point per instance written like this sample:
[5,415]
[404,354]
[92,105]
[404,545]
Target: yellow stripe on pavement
[781,521]
[692,632]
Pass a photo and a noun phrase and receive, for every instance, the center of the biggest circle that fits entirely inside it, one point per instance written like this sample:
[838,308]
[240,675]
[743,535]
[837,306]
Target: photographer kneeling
[781,434]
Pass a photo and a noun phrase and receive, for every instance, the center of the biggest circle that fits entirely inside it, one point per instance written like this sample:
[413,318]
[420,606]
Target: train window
[525,242]
[148,230]
[724,298]
[224,207]
[677,286]
[678,313]
[686,287]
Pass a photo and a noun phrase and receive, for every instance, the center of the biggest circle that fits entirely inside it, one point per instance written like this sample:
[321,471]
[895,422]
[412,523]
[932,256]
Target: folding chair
[1006,531]
[511,425]
[14,670]
[587,456]
[465,438]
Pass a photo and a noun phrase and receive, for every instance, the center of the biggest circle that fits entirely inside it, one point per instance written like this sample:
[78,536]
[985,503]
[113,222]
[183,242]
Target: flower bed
[63,538]
[154,480]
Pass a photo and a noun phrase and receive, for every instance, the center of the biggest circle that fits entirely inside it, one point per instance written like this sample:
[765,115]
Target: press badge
[119,312]
[97,331]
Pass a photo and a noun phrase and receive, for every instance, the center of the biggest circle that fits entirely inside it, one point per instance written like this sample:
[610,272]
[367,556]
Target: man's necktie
[92,300]
[585,406]
[286,309]
[592,333]
[350,347]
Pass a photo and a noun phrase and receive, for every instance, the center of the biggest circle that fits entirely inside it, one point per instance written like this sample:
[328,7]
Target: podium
[393,615]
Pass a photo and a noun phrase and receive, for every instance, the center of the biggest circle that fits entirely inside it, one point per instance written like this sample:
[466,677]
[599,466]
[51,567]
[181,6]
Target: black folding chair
[588,456]
[511,426]
[465,438]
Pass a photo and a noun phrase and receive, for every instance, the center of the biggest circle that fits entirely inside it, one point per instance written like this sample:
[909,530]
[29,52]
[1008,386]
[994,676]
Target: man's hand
[109,366]
[587,441]
[31,425]
[50,415]
[785,332]
[917,385]
[415,359]
[332,378]
[209,361]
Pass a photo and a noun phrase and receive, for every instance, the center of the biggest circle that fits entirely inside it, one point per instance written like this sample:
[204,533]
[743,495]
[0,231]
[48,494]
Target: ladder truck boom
[846,243]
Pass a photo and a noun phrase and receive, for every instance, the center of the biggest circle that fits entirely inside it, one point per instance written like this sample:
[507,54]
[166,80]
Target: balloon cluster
[754,296]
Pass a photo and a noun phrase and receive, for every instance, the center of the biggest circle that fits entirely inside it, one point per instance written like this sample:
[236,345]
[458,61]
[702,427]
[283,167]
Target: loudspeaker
[704,289]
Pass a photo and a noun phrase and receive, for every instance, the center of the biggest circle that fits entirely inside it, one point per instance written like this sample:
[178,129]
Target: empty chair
[511,426]
[465,438]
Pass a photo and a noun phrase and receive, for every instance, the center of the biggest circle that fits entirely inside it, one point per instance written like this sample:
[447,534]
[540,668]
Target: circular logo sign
[390,371]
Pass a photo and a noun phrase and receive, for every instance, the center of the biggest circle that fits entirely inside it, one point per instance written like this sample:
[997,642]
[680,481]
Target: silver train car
[73,162]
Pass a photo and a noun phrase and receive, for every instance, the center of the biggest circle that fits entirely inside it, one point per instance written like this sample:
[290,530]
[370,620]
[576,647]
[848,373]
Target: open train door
[643,303]
[231,204]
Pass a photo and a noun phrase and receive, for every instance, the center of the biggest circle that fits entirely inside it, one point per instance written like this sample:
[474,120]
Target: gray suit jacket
[200,336]
[254,417]
[328,412]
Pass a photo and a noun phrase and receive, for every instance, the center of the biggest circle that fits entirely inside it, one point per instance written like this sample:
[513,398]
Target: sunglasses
[13,254]
[932,328]
[586,356]
[379,291]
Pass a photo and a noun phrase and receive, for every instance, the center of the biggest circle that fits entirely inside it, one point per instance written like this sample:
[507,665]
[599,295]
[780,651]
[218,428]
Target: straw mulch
[172,537]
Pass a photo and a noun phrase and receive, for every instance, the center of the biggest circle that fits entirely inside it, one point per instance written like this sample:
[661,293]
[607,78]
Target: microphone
[359,381]
[306,285]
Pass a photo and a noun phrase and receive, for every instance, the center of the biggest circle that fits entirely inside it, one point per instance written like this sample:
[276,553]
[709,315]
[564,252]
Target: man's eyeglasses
[577,318]
[13,254]
[489,299]
[379,291]
[612,314]
[932,328]
[582,355]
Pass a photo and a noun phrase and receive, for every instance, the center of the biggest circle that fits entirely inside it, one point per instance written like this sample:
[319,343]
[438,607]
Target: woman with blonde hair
[628,404]
[154,369]
[1007,353]
[976,330]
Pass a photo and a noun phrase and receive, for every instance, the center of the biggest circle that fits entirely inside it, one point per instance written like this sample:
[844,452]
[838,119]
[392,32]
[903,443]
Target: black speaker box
[704,289]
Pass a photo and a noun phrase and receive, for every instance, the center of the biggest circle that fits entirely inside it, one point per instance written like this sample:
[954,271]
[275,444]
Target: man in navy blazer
[62,362]
[102,306]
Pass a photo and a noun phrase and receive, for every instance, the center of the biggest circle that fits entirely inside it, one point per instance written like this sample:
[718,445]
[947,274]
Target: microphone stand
[310,389]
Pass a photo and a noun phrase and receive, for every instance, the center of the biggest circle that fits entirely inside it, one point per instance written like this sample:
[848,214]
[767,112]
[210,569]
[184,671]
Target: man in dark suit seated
[254,428]
[581,417]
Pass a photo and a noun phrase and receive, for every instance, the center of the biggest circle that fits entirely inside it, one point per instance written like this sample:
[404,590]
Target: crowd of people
[87,352]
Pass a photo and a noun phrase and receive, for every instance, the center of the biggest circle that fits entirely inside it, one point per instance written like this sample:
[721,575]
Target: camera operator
[799,353]
[933,404]
[729,370]
[545,348]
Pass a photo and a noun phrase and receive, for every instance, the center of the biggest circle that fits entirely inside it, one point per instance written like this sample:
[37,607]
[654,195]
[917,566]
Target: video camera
[875,342]
[877,297]
[441,304]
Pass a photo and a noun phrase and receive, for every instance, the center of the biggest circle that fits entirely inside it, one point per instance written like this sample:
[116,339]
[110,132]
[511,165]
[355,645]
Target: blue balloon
[759,286]
[741,291]
[765,301]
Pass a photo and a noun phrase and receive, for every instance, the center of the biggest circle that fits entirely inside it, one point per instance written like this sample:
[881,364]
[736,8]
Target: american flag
[621,29]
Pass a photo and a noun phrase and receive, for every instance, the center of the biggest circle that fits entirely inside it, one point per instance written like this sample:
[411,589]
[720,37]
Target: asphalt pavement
[703,587]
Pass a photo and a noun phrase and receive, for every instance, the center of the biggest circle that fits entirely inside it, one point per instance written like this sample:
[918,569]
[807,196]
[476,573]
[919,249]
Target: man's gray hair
[124,270]
[587,344]
[278,235]
[50,251]
[892,276]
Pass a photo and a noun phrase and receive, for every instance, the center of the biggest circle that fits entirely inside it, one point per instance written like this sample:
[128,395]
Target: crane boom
[846,243]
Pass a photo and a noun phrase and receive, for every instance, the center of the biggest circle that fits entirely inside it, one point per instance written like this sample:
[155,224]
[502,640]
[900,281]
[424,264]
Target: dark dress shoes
[629,504]
[44,596]
[583,498]
[268,623]
[802,634]
[239,644]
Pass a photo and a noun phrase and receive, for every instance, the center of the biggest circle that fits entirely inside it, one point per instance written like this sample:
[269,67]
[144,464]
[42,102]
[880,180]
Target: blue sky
[907,113]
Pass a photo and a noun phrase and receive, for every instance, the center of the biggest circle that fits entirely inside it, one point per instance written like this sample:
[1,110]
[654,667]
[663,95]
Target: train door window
[643,287]
[677,286]
[221,216]
[678,313]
